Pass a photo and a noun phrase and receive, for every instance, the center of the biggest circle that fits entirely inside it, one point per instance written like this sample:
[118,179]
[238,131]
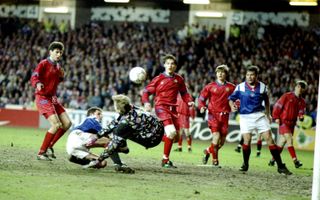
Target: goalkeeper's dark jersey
[138,126]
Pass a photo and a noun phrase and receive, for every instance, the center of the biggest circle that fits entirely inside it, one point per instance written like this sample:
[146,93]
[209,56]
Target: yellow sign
[304,139]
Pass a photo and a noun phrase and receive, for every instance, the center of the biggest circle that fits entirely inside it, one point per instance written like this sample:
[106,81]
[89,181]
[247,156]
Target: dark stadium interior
[253,5]
[285,54]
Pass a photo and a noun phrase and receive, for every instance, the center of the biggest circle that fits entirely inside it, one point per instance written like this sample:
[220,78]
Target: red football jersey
[184,109]
[217,95]
[49,74]
[165,90]
[289,107]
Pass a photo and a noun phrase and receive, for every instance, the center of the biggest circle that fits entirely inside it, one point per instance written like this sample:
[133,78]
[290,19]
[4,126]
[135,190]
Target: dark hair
[92,110]
[56,45]
[169,56]
[302,84]
[254,69]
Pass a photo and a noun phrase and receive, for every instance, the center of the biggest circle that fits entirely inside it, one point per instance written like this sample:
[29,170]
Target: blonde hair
[122,103]
[224,68]
[302,83]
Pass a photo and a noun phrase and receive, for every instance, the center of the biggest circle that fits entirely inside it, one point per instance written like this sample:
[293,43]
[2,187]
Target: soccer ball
[137,75]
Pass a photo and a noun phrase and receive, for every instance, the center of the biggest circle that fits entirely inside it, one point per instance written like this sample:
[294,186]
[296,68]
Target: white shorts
[254,122]
[76,143]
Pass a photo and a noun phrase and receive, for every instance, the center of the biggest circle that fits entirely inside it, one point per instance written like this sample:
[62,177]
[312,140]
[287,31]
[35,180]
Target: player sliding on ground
[134,124]
[87,135]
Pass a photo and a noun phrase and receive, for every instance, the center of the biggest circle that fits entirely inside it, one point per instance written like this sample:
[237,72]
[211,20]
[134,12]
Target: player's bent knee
[170,131]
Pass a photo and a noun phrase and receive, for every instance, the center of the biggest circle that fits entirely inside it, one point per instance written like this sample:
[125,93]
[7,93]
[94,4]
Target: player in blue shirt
[254,115]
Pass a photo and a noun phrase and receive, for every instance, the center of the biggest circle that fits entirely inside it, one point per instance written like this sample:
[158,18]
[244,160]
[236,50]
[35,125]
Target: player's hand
[147,107]
[277,121]
[203,109]
[39,86]
[234,108]
[191,103]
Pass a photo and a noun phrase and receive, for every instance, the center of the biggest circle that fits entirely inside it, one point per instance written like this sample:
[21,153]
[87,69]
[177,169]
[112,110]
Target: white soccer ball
[137,75]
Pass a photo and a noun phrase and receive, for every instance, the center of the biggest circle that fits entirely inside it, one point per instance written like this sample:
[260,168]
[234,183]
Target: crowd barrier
[303,138]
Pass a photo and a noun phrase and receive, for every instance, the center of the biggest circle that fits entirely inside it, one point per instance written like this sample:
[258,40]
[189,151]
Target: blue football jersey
[89,125]
[251,99]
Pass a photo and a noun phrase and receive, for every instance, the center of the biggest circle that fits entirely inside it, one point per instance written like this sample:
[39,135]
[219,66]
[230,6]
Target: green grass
[24,177]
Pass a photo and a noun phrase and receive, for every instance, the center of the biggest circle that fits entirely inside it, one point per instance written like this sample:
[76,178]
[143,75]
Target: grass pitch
[24,177]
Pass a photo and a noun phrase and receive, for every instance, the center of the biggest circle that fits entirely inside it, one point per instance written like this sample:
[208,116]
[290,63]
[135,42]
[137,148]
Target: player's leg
[55,124]
[282,169]
[213,124]
[180,140]
[189,139]
[65,125]
[291,150]
[170,133]
[238,148]
[281,142]
[246,151]
[259,144]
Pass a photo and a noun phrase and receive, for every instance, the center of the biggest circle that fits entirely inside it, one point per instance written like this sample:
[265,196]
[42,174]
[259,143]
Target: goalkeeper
[134,124]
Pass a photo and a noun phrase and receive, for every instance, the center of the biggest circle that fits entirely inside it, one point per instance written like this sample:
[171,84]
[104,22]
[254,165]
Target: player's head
[170,64]
[122,103]
[56,50]
[222,72]
[96,112]
[301,87]
[252,74]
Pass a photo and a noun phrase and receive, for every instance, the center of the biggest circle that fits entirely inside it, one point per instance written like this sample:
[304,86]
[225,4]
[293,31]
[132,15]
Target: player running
[165,89]
[217,94]
[290,107]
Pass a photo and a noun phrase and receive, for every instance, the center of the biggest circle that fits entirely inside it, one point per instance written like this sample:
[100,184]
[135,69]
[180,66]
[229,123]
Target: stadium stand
[98,57]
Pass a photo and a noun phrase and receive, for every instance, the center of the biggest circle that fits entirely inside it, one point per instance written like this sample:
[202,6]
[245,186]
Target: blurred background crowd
[98,57]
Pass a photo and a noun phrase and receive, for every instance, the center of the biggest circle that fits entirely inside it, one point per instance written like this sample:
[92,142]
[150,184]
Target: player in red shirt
[290,107]
[46,78]
[185,112]
[217,94]
[165,89]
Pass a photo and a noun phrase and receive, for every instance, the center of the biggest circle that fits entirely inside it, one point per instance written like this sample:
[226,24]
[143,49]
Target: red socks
[292,152]
[214,152]
[57,136]
[180,141]
[189,140]
[46,142]
[167,147]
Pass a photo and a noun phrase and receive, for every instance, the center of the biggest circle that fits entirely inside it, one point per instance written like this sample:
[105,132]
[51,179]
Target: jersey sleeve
[235,94]
[184,92]
[278,107]
[204,95]
[35,75]
[150,89]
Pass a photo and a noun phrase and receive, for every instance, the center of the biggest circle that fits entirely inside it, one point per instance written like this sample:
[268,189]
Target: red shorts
[219,122]
[285,128]
[48,106]
[168,115]
[184,121]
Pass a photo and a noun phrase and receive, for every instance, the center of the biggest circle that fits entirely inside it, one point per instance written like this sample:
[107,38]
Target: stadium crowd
[98,57]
